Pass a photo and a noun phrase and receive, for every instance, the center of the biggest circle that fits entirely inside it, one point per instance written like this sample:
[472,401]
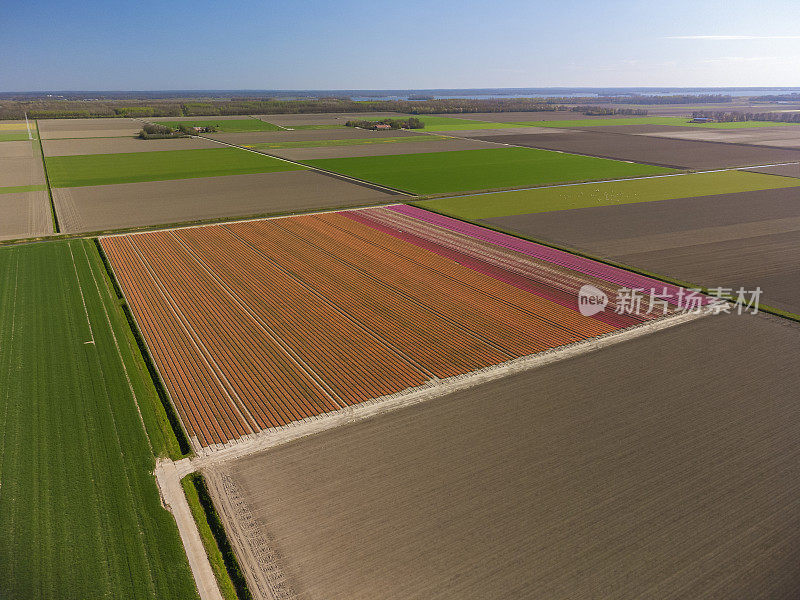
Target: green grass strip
[459,124]
[131,167]
[471,170]
[14,137]
[352,142]
[18,189]
[226,125]
[503,204]
[53,214]
[223,561]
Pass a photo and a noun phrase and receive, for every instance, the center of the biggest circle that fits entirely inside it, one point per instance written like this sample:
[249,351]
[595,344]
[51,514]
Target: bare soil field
[113,145]
[85,128]
[658,476]
[20,149]
[23,167]
[791,170]
[288,120]
[415,147]
[747,239]
[653,150]
[760,135]
[344,133]
[640,129]
[25,215]
[103,207]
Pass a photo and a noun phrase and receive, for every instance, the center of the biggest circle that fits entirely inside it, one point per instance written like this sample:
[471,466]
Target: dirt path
[169,484]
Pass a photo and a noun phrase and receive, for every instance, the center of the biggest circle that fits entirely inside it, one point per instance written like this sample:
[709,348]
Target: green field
[466,170]
[486,206]
[670,121]
[14,137]
[17,189]
[79,507]
[226,125]
[130,167]
[348,142]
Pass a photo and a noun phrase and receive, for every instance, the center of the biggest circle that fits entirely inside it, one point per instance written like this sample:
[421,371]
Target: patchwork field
[131,167]
[106,207]
[326,119]
[87,128]
[747,239]
[25,214]
[77,147]
[311,135]
[549,483]
[79,508]
[772,136]
[605,193]
[621,121]
[442,172]
[224,125]
[454,124]
[653,150]
[315,313]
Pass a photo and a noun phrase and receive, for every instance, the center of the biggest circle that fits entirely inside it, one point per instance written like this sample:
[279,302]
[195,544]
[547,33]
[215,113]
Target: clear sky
[360,44]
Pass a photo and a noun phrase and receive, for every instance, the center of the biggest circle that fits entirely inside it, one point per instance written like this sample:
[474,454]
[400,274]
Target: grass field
[503,204]
[345,142]
[79,508]
[13,137]
[465,170]
[673,121]
[130,167]
[16,189]
[226,125]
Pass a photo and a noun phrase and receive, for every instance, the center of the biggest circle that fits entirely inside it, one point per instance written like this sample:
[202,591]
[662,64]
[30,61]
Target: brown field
[300,135]
[667,130]
[415,147]
[112,145]
[86,128]
[653,150]
[671,472]
[25,215]
[257,324]
[104,207]
[792,170]
[20,164]
[748,239]
[759,136]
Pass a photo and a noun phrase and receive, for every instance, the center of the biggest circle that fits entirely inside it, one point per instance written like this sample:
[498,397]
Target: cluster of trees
[153,131]
[409,123]
[735,116]
[790,97]
[602,110]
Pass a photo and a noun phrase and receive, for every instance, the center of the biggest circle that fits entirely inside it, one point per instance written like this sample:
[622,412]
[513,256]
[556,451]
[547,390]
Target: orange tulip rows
[257,324]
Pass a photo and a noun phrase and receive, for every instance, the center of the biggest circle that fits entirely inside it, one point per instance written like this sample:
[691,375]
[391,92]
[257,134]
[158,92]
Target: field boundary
[176,425]
[56,228]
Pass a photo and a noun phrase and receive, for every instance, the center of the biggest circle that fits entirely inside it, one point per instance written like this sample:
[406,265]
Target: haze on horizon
[381,45]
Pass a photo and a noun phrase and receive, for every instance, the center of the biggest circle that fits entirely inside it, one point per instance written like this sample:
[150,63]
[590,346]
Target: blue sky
[355,44]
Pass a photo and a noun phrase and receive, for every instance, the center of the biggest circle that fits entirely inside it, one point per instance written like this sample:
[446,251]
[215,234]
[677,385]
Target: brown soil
[653,150]
[113,145]
[84,128]
[644,470]
[104,207]
[301,135]
[792,170]
[25,215]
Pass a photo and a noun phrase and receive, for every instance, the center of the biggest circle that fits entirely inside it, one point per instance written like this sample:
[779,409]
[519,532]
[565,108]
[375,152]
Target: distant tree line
[603,110]
[409,123]
[735,116]
[790,97]
[175,107]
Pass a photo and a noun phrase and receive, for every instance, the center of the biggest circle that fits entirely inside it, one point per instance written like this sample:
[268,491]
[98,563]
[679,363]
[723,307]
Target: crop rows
[258,324]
